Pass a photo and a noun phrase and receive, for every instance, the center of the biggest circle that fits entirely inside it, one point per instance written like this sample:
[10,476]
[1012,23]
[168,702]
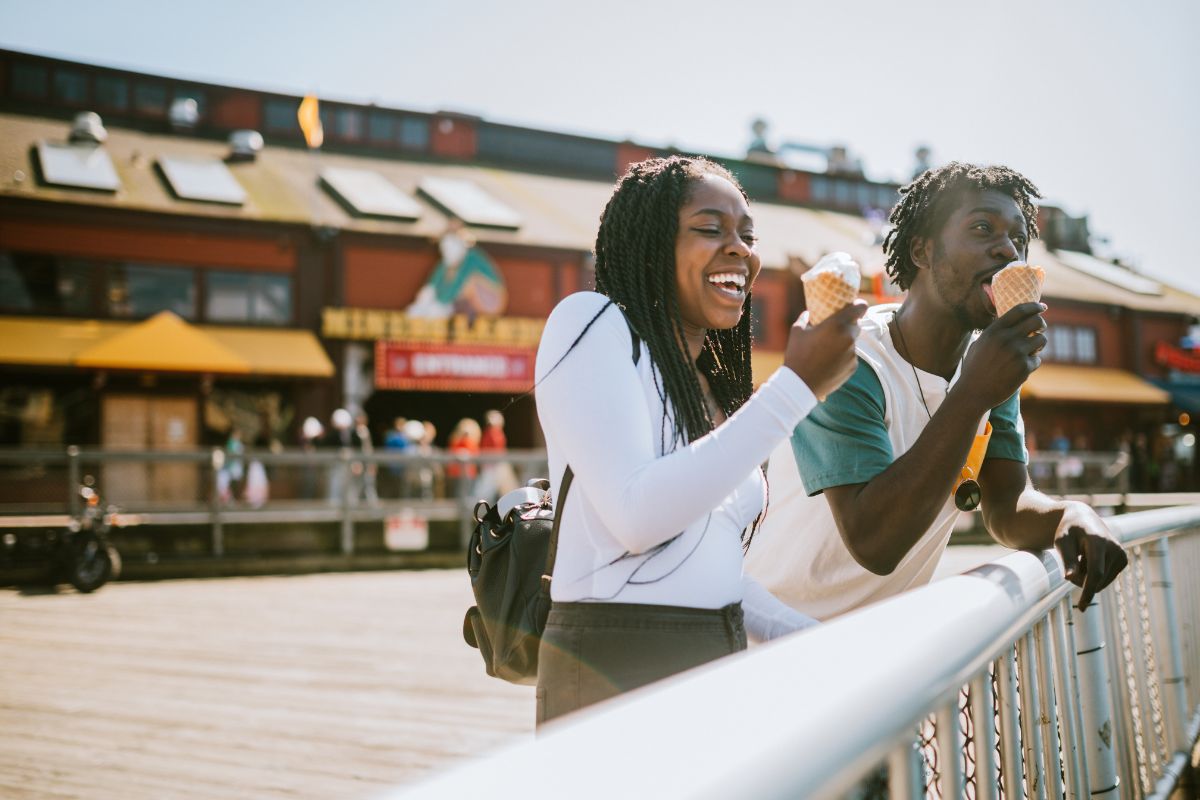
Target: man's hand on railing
[1092,557]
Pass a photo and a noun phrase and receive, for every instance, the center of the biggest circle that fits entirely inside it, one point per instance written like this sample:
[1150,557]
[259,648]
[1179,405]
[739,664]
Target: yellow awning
[50,342]
[763,364]
[1091,385]
[276,352]
[161,345]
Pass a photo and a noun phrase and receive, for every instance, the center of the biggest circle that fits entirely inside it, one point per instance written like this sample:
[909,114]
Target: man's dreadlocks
[635,267]
[928,201]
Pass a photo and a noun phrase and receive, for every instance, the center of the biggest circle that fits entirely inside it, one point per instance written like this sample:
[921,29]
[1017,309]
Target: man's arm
[882,519]
[910,492]
[1019,516]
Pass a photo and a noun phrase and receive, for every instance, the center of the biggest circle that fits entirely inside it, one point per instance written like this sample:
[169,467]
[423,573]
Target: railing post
[1048,716]
[906,780]
[347,521]
[1010,732]
[1066,688]
[1095,690]
[1166,641]
[949,744]
[73,480]
[214,503]
[1031,717]
[983,719]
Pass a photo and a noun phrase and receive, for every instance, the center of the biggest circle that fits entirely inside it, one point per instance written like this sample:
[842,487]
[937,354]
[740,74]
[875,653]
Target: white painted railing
[1102,703]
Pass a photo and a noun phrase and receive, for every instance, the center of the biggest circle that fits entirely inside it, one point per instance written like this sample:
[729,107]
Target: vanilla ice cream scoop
[830,286]
[841,263]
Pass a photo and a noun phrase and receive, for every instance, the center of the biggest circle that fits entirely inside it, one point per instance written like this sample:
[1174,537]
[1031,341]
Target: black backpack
[510,561]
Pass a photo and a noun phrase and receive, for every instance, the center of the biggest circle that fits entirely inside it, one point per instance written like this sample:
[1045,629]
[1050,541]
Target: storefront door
[150,423]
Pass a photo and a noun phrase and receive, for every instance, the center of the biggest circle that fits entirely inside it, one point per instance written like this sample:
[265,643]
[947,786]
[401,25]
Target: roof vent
[244,145]
[183,114]
[87,128]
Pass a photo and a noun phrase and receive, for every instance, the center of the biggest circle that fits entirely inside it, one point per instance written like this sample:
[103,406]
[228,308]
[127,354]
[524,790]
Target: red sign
[1176,358]
[453,368]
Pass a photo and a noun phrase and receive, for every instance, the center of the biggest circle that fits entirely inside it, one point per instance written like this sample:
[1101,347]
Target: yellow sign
[396,326]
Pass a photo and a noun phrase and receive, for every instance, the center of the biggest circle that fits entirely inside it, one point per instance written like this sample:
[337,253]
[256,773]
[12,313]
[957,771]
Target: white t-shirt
[649,519]
[798,553]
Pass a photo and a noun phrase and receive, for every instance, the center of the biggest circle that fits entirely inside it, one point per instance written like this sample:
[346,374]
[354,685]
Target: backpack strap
[552,550]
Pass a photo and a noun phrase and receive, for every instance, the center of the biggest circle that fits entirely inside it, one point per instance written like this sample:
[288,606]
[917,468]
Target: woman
[648,579]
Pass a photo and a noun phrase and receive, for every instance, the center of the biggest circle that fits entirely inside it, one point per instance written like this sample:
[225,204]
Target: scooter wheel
[90,565]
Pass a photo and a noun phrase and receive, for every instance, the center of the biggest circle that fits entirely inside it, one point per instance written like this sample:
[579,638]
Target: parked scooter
[81,554]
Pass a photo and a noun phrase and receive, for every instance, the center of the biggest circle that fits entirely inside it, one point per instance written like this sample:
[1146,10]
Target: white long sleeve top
[649,519]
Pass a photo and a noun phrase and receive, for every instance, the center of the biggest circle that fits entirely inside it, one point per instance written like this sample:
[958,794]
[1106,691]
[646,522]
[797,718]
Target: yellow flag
[309,116]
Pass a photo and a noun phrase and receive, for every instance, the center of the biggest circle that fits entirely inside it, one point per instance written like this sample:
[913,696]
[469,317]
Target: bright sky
[1097,101]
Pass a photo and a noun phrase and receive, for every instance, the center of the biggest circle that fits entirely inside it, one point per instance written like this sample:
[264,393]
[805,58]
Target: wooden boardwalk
[317,686]
[321,686]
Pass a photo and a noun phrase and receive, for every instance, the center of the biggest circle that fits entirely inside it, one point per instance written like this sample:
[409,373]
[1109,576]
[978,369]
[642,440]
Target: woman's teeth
[731,282]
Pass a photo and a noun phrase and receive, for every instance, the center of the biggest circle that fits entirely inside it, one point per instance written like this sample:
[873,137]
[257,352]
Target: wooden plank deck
[322,686]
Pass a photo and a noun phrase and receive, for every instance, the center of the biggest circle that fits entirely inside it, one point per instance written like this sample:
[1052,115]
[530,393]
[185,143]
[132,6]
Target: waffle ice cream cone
[1015,284]
[830,286]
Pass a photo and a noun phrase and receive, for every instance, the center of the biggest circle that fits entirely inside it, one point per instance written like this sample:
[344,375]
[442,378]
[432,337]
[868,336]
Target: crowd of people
[244,478]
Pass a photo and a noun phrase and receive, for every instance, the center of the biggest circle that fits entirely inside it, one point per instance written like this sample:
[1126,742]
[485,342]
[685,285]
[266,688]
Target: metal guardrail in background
[321,486]
[1059,703]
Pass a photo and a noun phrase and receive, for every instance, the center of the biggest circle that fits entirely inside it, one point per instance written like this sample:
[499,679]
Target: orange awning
[1063,382]
[763,364]
[163,343]
[276,352]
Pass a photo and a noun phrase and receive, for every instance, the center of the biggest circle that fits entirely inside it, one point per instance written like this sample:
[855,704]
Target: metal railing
[984,685]
[198,487]
[1080,471]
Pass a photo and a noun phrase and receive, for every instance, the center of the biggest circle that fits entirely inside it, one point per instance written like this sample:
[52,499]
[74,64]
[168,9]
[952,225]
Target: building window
[40,284]
[142,290]
[248,297]
[280,115]
[349,124]
[1071,344]
[150,98]
[112,92]
[843,193]
[30,80]
[1085,345]
[381,127]
[820,189]
[414,133]
[863,192]
[70,86]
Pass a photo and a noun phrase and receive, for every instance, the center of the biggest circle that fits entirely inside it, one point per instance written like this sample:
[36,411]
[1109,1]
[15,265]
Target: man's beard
[957,305]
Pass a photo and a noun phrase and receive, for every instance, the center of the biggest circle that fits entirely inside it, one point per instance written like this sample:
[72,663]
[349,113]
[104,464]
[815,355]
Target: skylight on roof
[369,193]
[468,202]
[1110,273]
[80,166]
[205,179]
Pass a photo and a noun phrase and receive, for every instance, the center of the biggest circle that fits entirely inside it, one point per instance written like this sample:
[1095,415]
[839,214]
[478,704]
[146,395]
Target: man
[861,504]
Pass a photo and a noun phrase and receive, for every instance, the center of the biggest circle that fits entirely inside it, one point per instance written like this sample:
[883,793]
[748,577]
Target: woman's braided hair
[927,202]
[635,268]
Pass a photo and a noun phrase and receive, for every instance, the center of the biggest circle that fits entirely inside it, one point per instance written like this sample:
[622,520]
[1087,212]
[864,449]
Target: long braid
[927,202]
[635,267]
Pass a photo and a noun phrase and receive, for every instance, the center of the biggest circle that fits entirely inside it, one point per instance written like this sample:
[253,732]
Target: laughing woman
[644,391]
